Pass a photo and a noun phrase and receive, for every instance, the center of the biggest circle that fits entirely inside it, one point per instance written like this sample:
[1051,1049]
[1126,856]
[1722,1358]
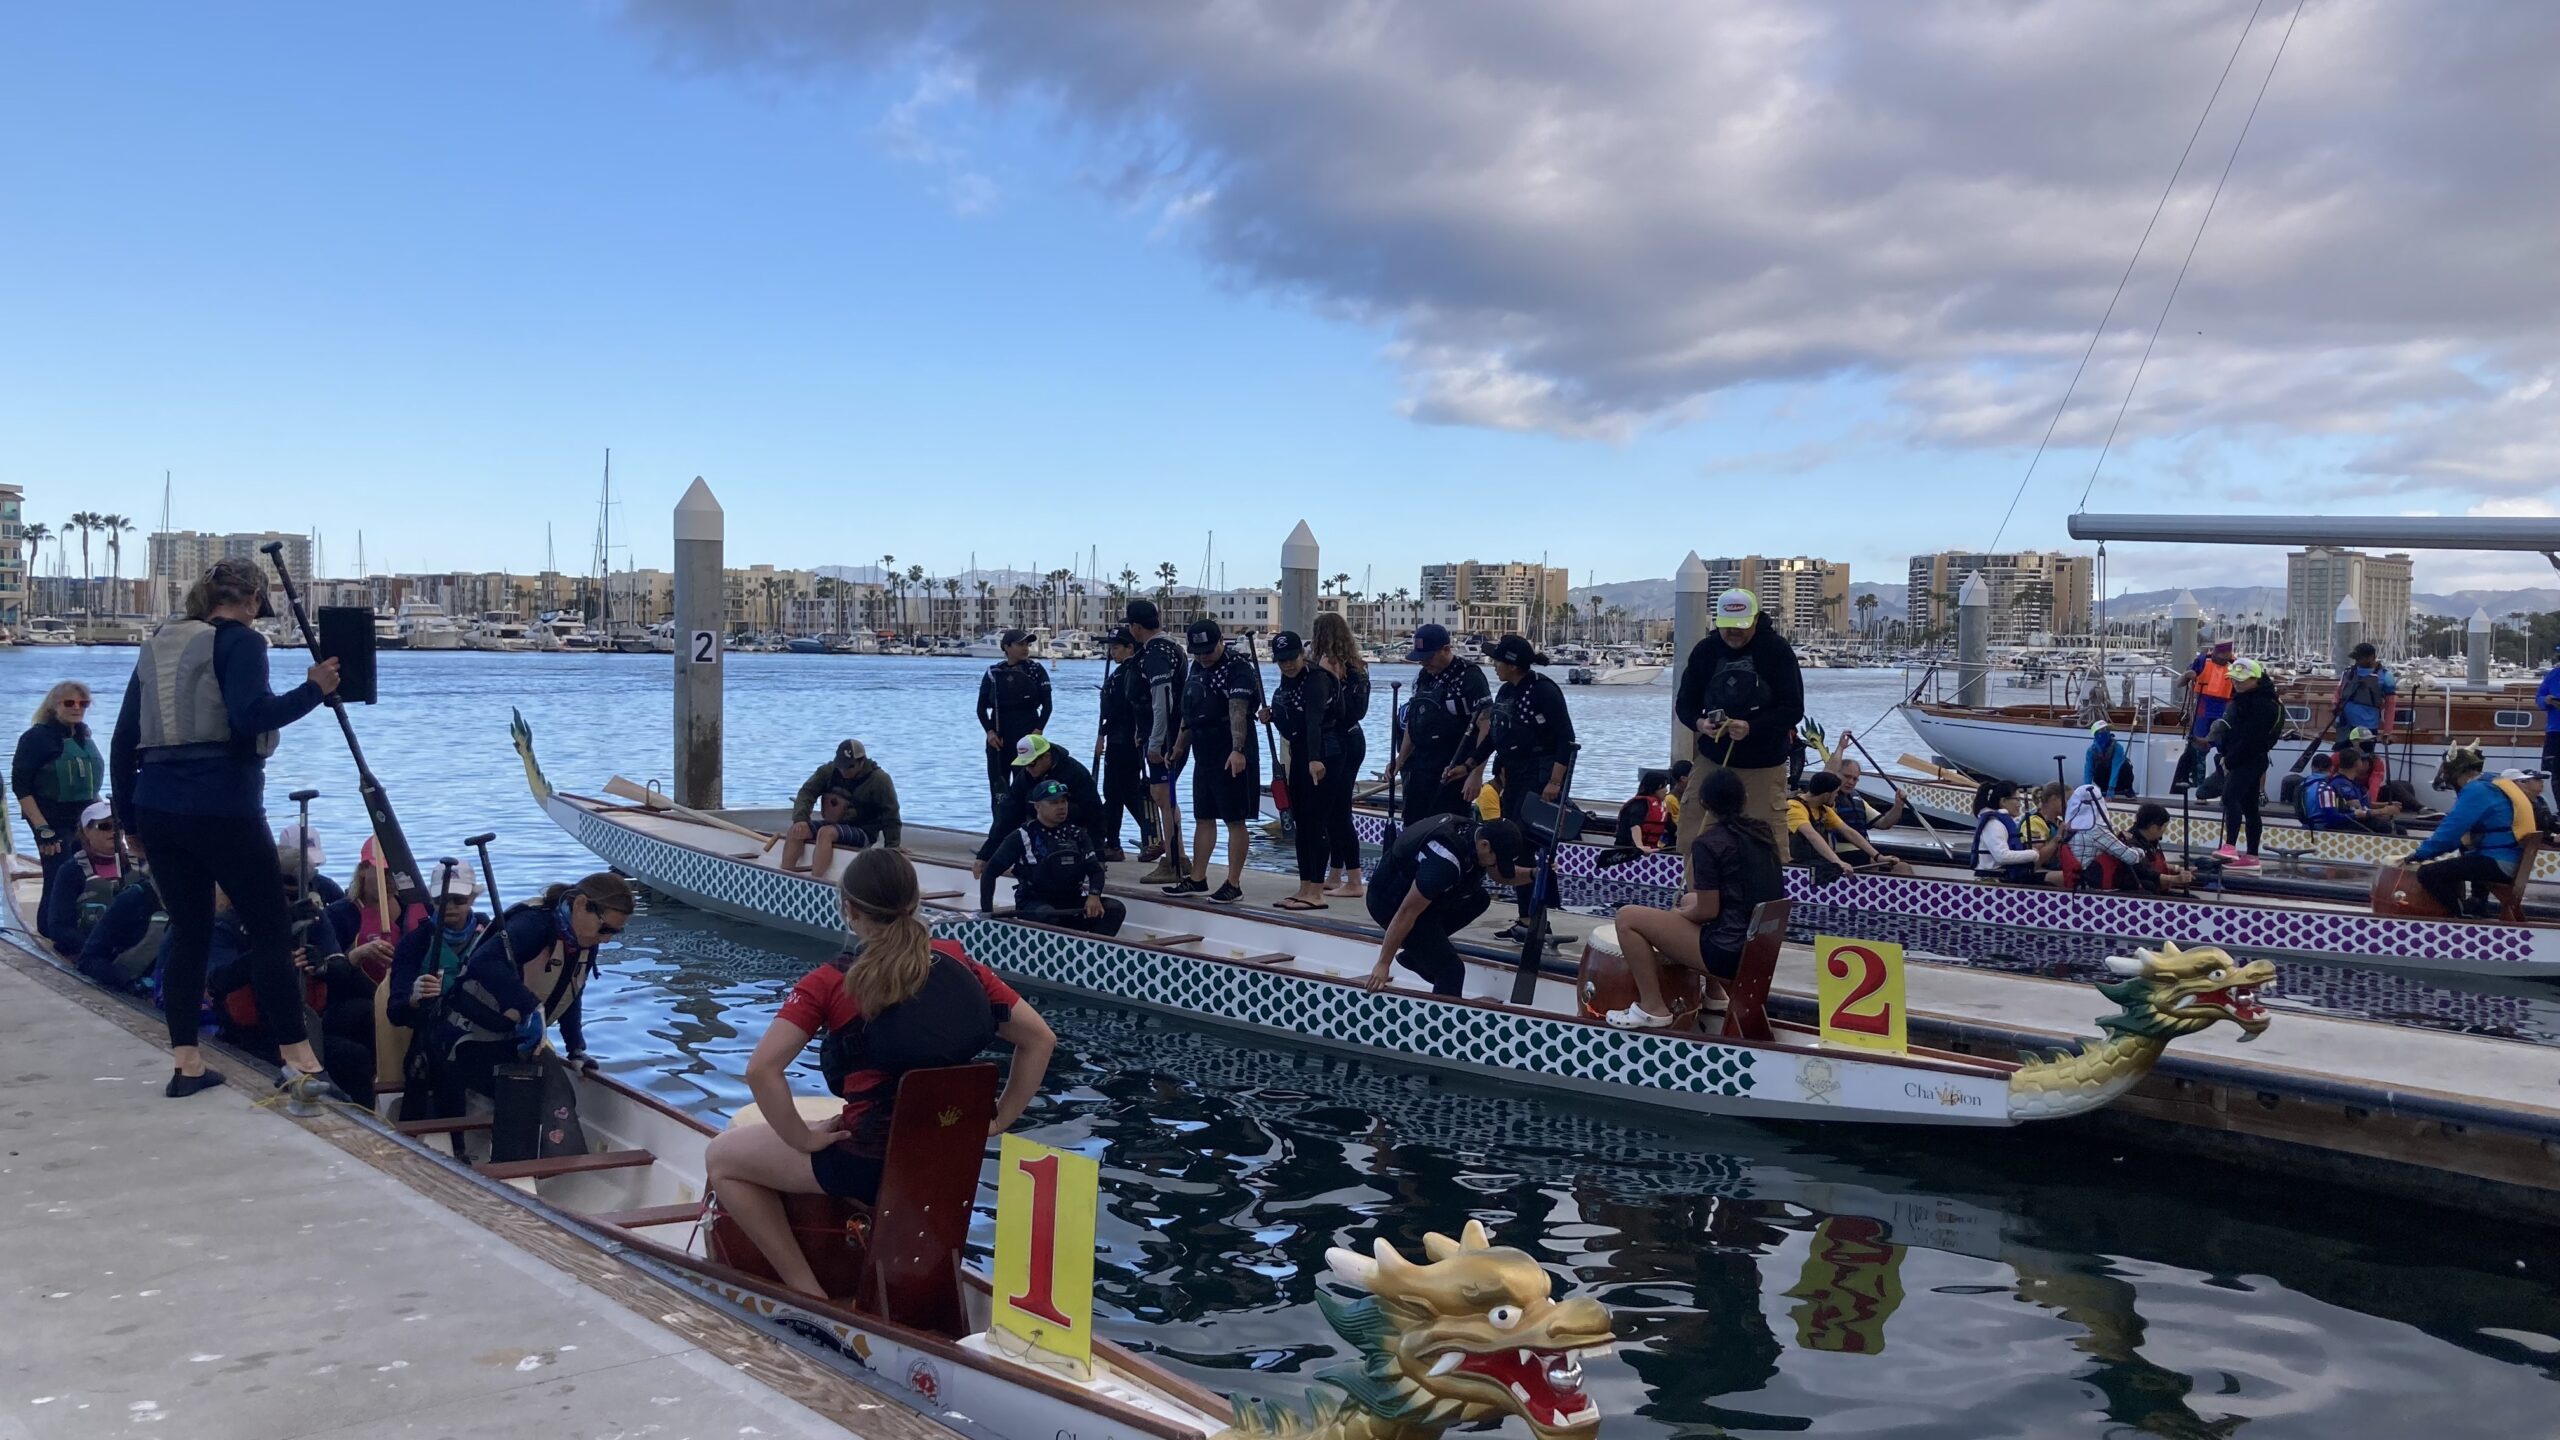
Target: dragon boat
[1298,983]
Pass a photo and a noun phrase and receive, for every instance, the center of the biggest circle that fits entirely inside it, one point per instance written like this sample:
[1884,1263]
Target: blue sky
[410,271]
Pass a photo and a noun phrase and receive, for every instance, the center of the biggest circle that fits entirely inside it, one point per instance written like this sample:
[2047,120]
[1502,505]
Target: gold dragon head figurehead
[2171,992]
[1474,1333]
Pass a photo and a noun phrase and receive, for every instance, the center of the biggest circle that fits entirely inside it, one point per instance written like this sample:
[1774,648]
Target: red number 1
[1879,1023]
[1043,1259]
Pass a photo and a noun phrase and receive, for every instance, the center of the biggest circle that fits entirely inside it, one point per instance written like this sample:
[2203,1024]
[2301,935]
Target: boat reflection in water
[1764,1280]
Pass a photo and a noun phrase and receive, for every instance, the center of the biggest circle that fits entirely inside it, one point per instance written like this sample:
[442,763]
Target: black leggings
[2241,783]
[2447,878]
[1342,841]
[190,855]
[999,775]
[1310,808]
[1124,791]
[1072,916]
[1427,950]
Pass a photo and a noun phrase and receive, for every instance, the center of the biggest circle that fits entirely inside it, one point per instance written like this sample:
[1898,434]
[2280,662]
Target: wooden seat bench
[559,1165]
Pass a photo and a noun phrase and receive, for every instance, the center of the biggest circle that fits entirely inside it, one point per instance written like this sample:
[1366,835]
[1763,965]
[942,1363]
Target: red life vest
[1654,821]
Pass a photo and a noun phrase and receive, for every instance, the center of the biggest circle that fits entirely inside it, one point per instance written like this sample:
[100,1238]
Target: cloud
[1586,219]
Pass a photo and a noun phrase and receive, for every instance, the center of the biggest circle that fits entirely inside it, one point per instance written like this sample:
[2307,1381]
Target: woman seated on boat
[525,973]
[1645,819]
[2042,827]
[55,774]
[370,921]
[79,888]
[897,1001]
[1057,868]
[2000,848]
[2100,859]
[1733,868]
[1430,885]
[121,948]
[326,986]
[429,958]
[1813,823]
[2481,839]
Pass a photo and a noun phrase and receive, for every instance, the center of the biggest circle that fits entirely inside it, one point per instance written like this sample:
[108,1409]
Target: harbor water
[1767,1280]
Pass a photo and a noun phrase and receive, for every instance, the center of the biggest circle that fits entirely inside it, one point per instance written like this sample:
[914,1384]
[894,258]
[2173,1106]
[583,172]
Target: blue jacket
[60,922]
[2352,714]
[232,785]
[2548,697]
[409,961]
[2332,802]
[497,962]
[2482,809]
[126,921]
[2104,751]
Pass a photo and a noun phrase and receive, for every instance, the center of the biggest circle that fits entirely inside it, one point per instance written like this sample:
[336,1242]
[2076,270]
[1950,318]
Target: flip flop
[1292,902]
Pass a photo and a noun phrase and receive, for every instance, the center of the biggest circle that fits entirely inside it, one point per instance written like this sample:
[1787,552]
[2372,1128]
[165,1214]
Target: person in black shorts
[1733,867]
[1013,701]
[1220,693]
[1124,751]
[1159,731]
[1430,885]
[1450,714]
[1056,867]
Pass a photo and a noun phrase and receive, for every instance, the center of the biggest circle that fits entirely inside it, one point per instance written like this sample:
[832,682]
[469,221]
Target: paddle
[657,801]
[1944,774]
[1524,979]
[1900,798]
[1271,737]
[1395,740]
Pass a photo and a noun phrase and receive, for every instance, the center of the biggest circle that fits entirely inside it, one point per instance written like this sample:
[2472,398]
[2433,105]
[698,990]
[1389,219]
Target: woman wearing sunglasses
[526,973]
[55,775]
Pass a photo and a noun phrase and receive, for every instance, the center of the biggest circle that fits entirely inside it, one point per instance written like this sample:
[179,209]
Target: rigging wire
[2113,300]
[2175,285]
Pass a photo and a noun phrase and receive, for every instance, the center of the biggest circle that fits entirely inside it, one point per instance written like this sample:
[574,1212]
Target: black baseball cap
[1014,637]
[1143,612]
[1516,650]
[1287,646]
[1120,636]
[1510,843]
[1050,790]
[1202,636]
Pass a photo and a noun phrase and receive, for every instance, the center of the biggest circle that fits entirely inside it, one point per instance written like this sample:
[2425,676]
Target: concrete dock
[209,1268]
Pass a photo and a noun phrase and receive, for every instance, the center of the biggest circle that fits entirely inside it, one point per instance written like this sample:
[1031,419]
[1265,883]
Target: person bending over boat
[873,801]
[79,889]
[1530,733]
[189,761]
[1036,762]
[895,1002]
[55,775]
[2339,799]
[1013,701]
[527,972]
[2481,839]
[1057,868]
[1301,712]
[1124,759]
[1220,693]
[1430,886]
[1813,823]
[1733,868]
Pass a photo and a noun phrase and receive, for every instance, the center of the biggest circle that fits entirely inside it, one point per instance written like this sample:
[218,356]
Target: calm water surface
[1766,1280]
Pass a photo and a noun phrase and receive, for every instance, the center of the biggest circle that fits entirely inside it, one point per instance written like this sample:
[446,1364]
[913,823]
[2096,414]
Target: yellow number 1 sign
[1045,1202]
[1858,990]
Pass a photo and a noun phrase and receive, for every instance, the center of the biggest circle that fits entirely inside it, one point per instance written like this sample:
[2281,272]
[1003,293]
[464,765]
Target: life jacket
[2009,825]
[2329,799]
[2115,874]
[559,979]
[1055,864]
[2361,688]
[945,1022]
[2519,808]
[73,775]
[2214,680]
[1656,820]
[183,717]
[1016,690]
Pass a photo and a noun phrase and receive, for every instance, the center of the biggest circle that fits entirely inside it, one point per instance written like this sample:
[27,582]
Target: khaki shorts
[1766,787]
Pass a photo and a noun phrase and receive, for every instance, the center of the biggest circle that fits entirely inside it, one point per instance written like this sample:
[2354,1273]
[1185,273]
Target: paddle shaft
[622,789]
[1271,737]
[1395,742]
[1524,977]
[399,865]
[488,872]
[1930,830]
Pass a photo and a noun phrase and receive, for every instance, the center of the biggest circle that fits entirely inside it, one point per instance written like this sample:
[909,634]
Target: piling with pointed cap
[1692,606]
[1299,560]
[2346,630]
[1973,641]
[2186,628]
[702,603]
[2475,637]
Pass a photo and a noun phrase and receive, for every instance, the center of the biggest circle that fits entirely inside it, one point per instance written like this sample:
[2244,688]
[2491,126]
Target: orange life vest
[2214,681]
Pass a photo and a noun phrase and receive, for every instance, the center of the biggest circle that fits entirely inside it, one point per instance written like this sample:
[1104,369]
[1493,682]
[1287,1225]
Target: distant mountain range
[1651,599]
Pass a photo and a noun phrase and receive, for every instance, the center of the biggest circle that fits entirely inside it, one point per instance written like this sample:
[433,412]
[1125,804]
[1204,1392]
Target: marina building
[2035,594]
[1389,617]
[2317,577]
[1802,596]
[1515,595]
[13,555]
[179,556]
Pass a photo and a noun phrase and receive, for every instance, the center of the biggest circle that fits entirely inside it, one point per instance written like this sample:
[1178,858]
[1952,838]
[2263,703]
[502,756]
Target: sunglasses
[607,929]
[70,704]
[107,825]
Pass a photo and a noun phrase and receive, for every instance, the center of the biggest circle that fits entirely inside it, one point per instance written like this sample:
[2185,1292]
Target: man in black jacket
[2246,734]
[1036,761]
[1742,697]
[1013,701]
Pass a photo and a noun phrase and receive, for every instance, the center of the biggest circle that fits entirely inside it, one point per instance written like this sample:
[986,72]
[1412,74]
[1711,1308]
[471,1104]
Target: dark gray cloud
[1588,218]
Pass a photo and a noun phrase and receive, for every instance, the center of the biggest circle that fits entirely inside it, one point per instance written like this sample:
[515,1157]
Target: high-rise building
[2317,577]
[1515,596]
[13,555]
[2033,592]
[1802,596]
[178,557]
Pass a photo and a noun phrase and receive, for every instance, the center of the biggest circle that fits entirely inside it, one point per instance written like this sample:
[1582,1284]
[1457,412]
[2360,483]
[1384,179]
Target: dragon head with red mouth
[1473,1333]
[2171,992]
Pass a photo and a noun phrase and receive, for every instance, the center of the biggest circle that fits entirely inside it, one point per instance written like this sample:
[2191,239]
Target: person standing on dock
[189,761]
[1220,694]
[1742,695]
[2246,735]
[2548,699]
[1013,701]
[1530,733]
[2365,688]
[1301,711]
[1159,678]
[2106,765]
[1124,758]
[1332,650]
[2206,690]
[1450,714]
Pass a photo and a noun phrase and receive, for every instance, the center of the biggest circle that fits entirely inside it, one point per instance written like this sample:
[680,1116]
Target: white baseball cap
[98,810]
[450,877]
[1736,609]
[292,837]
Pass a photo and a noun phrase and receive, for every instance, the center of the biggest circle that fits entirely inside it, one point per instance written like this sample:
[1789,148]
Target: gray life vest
[183,717]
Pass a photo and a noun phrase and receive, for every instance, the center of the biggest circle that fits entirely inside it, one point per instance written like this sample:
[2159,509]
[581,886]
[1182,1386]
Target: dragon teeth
[1519,1392]
[1447,1362]
[1524,1357]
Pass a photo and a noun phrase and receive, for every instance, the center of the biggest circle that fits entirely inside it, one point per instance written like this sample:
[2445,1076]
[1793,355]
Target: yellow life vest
[2519,808]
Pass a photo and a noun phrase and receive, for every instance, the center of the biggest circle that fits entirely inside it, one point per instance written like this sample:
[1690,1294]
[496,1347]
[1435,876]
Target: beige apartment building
[1803,596]
[2033,592]
[2317,577]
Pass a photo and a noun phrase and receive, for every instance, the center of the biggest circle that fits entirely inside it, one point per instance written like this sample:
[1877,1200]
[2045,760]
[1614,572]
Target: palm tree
[117,527]
[1866,606]
[984,588]
[1166,574]
[35,535]
[84,522]
[951,592]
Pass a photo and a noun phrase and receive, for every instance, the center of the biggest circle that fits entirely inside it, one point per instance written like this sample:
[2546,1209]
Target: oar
[1932,768]
[1904,800]
[657,802]
[1271,737]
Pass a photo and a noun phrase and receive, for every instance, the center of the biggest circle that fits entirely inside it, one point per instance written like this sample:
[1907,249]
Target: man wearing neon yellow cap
[1741,697]
[2246,735]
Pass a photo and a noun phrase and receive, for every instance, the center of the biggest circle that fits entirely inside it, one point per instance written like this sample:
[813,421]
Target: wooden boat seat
[1746,1015]
[559,1165]
[900,1257]
[648,1215]
[1183,939]
[455,1125]
[1603,984]
[2397,893]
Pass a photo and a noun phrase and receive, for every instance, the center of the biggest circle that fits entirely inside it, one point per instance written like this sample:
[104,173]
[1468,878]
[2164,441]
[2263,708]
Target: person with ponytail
[2000,848]
[896,1000]
[526,972]
[1734,868]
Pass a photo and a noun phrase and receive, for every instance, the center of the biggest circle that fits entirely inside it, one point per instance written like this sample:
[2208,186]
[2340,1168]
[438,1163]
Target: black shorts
[1217,795]
[845,1175]
[1721,962]
[1124,773]
[1166,773]
[849,836]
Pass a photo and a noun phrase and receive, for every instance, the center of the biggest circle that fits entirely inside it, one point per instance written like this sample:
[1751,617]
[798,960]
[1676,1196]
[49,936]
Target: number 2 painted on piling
[705,648]
[1858,988]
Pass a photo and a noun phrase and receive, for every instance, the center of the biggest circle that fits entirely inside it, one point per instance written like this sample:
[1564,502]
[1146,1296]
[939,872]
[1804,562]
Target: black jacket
[1084,802]
[2252,725]
[1774,705]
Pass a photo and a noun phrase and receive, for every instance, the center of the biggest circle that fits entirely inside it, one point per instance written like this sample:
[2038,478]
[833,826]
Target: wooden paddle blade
[621,789]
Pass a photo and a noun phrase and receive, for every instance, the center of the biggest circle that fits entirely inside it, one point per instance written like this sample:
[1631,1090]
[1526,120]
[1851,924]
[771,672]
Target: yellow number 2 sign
[1858,987]
[1044,1249]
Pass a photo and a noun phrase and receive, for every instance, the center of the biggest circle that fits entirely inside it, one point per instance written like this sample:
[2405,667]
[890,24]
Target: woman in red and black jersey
[898,1001]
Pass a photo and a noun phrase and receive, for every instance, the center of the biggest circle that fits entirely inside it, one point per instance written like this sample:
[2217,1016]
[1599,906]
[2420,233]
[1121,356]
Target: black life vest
[946,1022]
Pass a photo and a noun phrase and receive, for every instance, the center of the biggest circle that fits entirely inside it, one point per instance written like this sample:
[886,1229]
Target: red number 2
[1846,1017]
[1035,1298]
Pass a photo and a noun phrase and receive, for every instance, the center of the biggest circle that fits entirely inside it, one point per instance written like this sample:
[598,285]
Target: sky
[967,282]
